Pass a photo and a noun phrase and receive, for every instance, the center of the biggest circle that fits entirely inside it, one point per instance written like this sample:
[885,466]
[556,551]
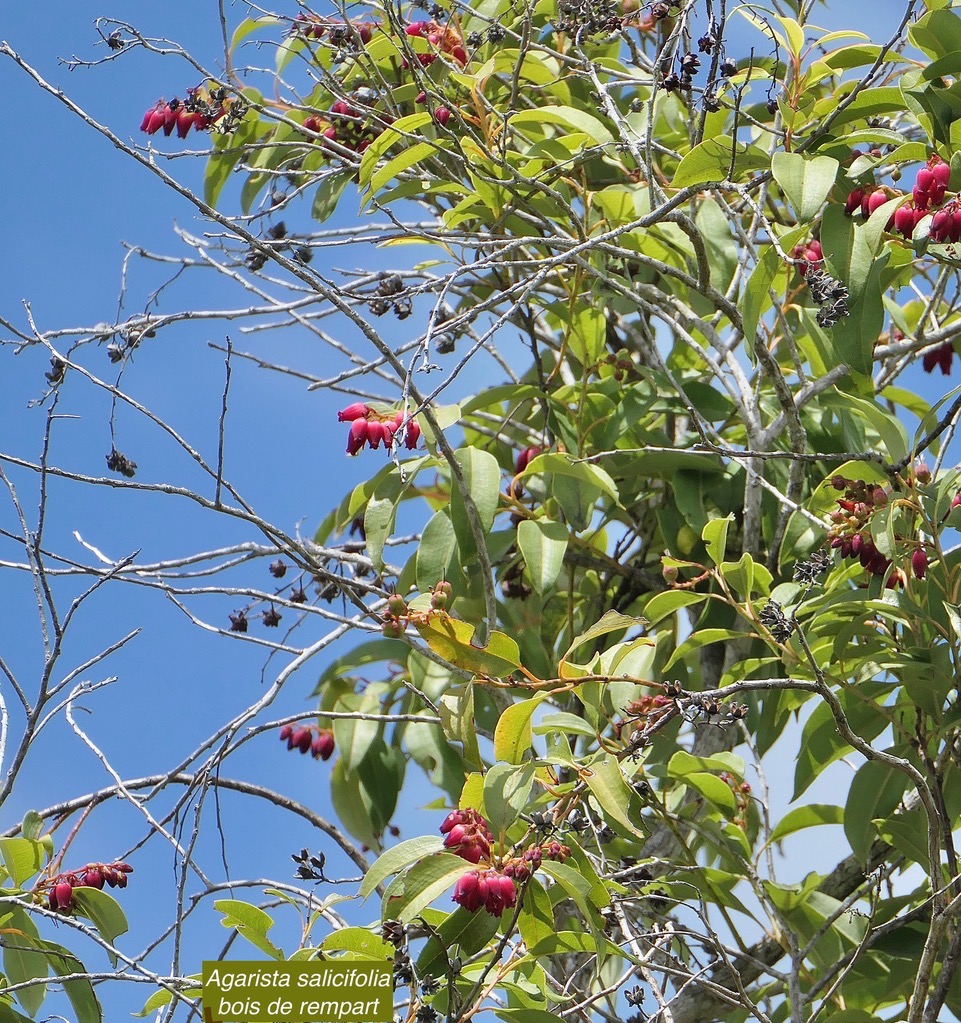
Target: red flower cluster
[811,255]
[93,875]
[930,185]
[349,126]
[468,835]
[370,427]
[851,531]
[522,868]
[941,356]
[488,888]
[444,38]
[319,742]
[199,110]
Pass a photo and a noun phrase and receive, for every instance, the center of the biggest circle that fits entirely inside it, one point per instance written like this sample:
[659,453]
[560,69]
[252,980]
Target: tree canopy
[633,323]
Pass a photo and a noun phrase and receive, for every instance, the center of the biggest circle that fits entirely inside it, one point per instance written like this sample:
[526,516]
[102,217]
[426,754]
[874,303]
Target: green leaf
[609,787]
[875,792]
[251,922]
[566,117]
[355,736]
[22,859]
[411,893]
[31,827]
[543,546]
[712,160]
[457,719]
[482,476]
[565,465]
[610,621]
[536,918]
[512,736]
[328,194]
[404,160]
[701,638]
[104,912]
[805,180]
[810,816]
[466,931]
[401,131]
[80,991]
[714,535]
[507,790]
[394,860]
[757,292]
[528,1016]
[452,638]
[359,940]
[683,763]
[379,515]
[24,959]
[435,551]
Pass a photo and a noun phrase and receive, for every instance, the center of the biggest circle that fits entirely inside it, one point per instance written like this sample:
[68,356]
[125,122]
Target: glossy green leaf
[566,117]
[811,816]
[435,551]
[394,860]
[251,922]
[457,719]
[83,999]
[411,893]
[805,180]
[23,858]
[507,789]
[452,638]
[543,545]
[359,940]
[104,913]
[461,933]
[512,737]
[536,919]
[24,959]
[608,786]
[714,535]
[718,159]
[328,194]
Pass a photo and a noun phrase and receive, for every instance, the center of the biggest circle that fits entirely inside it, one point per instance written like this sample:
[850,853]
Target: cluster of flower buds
[369,427]
[942,355]
[93,875]
[810,254]
[349,125]
[467,834]
[318,742]
[643,707]
[202,108]
[742,792]
[930,185]
[444,38]
[851,535]
[337,33]
[488,888]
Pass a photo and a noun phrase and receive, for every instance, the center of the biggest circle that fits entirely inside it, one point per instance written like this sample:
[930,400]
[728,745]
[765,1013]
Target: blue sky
[68,201]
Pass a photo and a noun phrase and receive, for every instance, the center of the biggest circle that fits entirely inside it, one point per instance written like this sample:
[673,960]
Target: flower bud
[61,896]
[919,563]
[358,436]
[322,748]
[359,410]
[93,878]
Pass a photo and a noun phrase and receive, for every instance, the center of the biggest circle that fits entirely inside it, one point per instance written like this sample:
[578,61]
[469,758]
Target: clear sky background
[67,202]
